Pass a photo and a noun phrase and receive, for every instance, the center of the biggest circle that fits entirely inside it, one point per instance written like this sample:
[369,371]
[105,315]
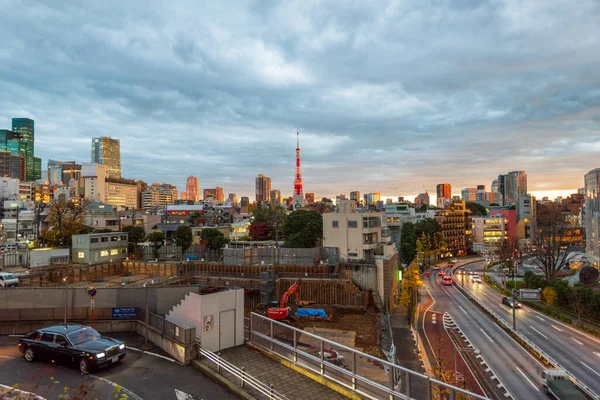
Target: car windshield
[83,335]
[9,276]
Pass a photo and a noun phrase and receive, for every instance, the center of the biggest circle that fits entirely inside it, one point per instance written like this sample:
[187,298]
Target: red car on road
[447,281]
[441,272]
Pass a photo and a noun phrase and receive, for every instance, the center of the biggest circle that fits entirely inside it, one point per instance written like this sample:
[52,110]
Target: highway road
[574,350]
[516,369]
[138,376]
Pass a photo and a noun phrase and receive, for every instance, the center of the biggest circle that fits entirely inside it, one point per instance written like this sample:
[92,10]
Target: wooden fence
[327,292]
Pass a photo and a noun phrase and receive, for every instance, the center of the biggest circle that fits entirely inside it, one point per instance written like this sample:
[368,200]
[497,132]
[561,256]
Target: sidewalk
[286,381]
[407,354]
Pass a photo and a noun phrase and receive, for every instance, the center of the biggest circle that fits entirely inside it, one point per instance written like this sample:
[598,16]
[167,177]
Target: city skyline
[220,99]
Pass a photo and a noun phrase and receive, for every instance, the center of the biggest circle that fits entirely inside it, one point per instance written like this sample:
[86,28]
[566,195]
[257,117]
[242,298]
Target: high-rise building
[12,166]
[372,198]
[355,196]
[192,188]
[309,197]
[107,151]
[592,215]
[480,193]
[263,188]
[275,197]
[232,198]
[214,194]
[422,199]
[25,129]
[61,172]
[456,226]
[468,194]
[244,205]
[444,194]
[121,193]
[94,176]
[511,185]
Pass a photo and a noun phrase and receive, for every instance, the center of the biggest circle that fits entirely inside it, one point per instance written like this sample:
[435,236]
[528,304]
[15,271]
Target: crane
[426,192]
[283,311]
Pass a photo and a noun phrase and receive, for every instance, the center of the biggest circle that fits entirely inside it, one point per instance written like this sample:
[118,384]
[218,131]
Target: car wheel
[29,354]
[84,366]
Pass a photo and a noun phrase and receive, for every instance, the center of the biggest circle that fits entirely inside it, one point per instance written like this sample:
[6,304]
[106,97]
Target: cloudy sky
[387,96]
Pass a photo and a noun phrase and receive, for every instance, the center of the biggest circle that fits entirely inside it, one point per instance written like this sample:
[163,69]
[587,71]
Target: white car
[7,279]
[476,279]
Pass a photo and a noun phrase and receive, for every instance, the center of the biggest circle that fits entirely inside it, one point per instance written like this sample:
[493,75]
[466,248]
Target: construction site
[350,309]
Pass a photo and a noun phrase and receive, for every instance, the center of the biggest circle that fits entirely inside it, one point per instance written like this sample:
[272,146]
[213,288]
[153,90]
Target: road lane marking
[590,368]
[541,334]
[540,318]
[596,353]
[463,310]
[486,335]
[577,341]
[528,380]
[571,328]
[25,394]
[557,328]
[115,385]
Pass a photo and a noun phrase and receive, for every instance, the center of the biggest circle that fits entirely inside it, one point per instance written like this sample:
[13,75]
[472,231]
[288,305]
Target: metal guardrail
[524,340]
[241,374]
[341,363]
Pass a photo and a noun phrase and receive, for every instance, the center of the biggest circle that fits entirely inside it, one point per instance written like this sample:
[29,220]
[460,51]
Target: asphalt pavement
[575,351]
[138,376]
[514,367]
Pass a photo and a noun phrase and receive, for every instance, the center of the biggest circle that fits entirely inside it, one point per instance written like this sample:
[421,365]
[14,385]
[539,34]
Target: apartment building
[456,223]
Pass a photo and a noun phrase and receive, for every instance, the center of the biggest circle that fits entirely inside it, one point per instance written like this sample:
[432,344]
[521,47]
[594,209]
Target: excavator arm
[284,299]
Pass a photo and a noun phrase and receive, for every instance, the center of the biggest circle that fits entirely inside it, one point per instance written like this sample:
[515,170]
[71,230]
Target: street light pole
[66,297]
[147,315]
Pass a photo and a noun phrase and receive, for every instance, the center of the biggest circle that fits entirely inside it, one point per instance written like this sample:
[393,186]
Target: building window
[104,239]
[80,240]
[81,254]
[94,240]
[123,237]
[352,224]
[123,251]
[104,253]
[114,252]
[335,224]
[114,238]
[353,254]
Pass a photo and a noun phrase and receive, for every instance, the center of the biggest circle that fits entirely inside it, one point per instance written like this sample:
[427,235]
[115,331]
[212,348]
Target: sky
[388,96]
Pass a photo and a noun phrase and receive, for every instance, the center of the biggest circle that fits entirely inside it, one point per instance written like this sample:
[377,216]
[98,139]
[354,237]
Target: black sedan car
[71,343]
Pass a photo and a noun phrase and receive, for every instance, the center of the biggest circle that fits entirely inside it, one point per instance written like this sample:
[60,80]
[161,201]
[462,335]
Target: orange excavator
[281,311]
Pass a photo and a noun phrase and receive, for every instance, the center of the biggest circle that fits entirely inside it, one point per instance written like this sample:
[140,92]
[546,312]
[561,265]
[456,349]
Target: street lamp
[147,313]
[462,350]
[66,296]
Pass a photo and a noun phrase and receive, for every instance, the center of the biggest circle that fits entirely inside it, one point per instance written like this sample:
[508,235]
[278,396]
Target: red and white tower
[298,192]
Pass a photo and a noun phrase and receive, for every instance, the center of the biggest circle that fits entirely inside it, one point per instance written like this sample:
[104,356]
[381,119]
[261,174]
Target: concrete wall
[364,276]
[160,299]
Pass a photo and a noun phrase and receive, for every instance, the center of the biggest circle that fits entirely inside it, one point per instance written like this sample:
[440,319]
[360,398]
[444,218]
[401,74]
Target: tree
[136,234]
[272,217]
[196,219]
[157,239]
[183,238]
[579,297]
[213,238]
[549,295]
[505,250]
[588,275]
[65,220]
[408,240]
[547,251]
[476,208]
[411,281]
[303,229]
[259,231]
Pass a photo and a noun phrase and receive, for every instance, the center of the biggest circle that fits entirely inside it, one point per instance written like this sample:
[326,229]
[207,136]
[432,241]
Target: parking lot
[138,376]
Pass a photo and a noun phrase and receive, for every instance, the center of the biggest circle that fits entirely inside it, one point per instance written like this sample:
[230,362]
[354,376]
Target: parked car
[8,280]
[192,257]
[447,281]
[72,343]
[509,301]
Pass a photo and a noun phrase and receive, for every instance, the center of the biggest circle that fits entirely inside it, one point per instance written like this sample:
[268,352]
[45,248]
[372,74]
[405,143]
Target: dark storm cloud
[387,96]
